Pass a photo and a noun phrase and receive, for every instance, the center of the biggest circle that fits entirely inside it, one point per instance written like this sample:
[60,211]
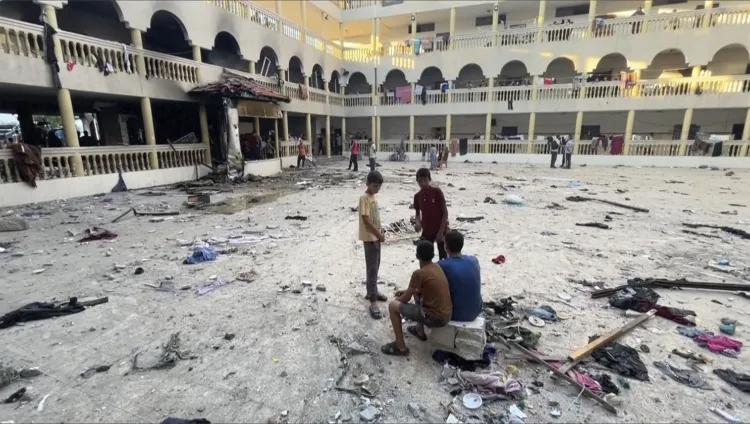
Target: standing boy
[371,234]
[373,155]
[553,148]
[354,156]
[301,154]
[431,211]
[568,152]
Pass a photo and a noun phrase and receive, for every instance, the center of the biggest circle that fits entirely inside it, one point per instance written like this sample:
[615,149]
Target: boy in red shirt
[354,156]
[431,212]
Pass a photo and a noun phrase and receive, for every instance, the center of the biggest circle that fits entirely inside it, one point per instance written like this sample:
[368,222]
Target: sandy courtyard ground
[281,364]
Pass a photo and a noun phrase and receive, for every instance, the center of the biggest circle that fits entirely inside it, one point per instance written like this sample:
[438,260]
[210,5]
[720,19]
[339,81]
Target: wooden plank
[586,391]
[585,351]
[547,358]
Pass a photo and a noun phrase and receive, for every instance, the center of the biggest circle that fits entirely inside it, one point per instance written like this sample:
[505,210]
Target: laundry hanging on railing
[549,81]
[579,81]
[627,79]
[418,89]
[403,94]
[426,44]
[417,46]
[444,87]
[126,59]
[302,92]
[49,52]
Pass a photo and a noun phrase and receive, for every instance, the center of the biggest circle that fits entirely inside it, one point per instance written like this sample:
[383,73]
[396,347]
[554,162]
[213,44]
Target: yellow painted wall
[315,19]
[292,11]
[332,29]
[269,5]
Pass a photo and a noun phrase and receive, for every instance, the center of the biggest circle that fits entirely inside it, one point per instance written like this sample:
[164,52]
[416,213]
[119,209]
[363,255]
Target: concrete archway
[512,73]
[268,62]
[733,59]
[357,84]
[167,34]
[431,78]
[316,77]
[562,69]
[469,76]
[395,78]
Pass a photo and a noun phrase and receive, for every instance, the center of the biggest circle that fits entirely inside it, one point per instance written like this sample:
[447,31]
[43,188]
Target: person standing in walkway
[568,152]
[373,154]
[301,154]
[354,156]
[554,147]
[433,157]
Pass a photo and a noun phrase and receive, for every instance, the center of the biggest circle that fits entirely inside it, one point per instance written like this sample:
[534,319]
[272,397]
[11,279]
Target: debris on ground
[718,344]
[685,376]
[296,217]
[13,223]
[201,254]
[96,234]
[42,310]
[16,396]
[734,231]
[210,286]
[609,202]
[621,359]
[490,200]
[248,276]
[166,358]
[738,380]
[94,370]
[594,225]
[513,200]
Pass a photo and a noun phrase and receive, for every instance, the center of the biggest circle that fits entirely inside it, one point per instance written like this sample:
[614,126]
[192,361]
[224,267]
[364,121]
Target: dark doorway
[737,130]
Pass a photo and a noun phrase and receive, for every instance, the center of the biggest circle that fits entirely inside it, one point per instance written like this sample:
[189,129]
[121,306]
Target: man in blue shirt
[464,279]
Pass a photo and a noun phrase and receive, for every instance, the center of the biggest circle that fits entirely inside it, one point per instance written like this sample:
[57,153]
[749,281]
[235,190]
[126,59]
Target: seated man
[464,279]
[432,302]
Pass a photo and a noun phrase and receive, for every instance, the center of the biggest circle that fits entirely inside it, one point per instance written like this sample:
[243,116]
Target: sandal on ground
[375,312]
[391,349]
[413,330]
[380,297]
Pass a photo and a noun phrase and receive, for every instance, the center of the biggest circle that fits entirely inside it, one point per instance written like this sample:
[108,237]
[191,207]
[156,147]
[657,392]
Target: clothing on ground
[582,379]
[442,357]
[720,344]
[368,206]
[738,380]
[431,283]
[40,310]
[685,376]
[491,383]
[171,420]
[465,284]
[430,204]
[201,254]
[96,233]
[621,359]
[543,312]
[608,386]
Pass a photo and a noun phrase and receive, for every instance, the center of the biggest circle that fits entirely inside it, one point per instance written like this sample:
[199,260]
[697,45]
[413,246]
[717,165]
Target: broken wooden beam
[613,335]
[668,284]
[609,202]
[123,215]
[586,391]
[170,213]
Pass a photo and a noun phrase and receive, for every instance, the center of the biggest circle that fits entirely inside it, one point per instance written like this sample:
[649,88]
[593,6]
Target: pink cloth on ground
[583,379]
[719,343]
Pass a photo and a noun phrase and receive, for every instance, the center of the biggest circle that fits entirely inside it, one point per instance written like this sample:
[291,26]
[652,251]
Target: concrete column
[304,21]
[629,131]
[448,128]
[534,89]
[637,88]
[413,136]
[65,103]
[708,5]
[577,132]
[278,7]
[309,134]
[341,38]
[495,21]
[487,133]
[140,61]
[647,10]
[686,121]
[413,34]
[540,19]
[343,130]
[490,84]
[285,124]
[531,132]
[592,10]
[380,135]
[450,92]
[452,26]
[148,130]
[745,135]
[694,75]
[251,66]
[373,130]
[328,136]
[413,92]
[256,125]
[307,84]
[205,139]
[376,48]
[276,137]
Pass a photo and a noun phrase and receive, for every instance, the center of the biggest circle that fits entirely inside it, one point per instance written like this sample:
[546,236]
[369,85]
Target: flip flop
[391,349]
[375,312]
[380,297]
[413,330]
[499,260]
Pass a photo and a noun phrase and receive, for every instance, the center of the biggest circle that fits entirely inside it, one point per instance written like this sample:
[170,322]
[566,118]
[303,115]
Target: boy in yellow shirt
[371,234]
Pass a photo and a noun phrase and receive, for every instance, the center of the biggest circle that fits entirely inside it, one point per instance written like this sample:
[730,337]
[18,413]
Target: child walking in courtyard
[371,234]
[431,211]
